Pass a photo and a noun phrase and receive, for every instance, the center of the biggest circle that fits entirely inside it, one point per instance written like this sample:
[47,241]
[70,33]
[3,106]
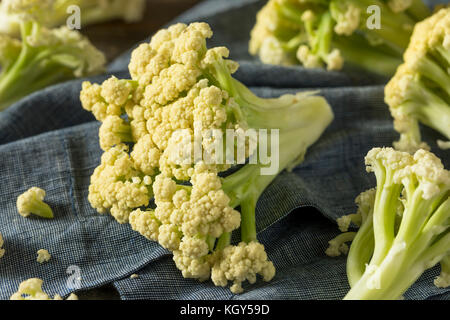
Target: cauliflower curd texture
[181,93]
[31,289]
[420,90]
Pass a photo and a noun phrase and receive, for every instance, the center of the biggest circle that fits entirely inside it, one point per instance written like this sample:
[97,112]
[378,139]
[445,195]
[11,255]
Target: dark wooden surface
[115,37]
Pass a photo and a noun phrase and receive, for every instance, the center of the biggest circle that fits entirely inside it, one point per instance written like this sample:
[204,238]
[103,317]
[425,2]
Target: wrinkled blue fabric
[48,140]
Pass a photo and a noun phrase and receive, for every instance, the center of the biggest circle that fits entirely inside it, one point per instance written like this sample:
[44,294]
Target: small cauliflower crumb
[72,296]
[43,256]
[2,251]
[32,202]
[134,276]
[338,246]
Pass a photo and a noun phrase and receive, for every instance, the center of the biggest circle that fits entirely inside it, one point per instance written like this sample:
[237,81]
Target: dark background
[115,37]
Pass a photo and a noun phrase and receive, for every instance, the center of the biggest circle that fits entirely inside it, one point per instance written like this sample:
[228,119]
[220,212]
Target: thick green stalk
[223,241]
[407,258]
[40,209]
[361,250]
[357,51]
[427,107]
[428,68]
[386,201]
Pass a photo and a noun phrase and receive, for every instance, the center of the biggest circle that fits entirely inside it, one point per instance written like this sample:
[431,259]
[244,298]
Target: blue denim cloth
[48,140]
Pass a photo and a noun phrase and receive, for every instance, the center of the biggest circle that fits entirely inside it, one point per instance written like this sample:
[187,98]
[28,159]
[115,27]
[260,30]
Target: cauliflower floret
[419,84]
[114,130]
[272,52]
[240,263]
[308,59]
[169,84]
[348,22]
[115,185]
[146,155]
[43,256]
[31,202]
[116,91]
[31,289]
[338,246]
[334,60]
[195,268]
[145,223]
[194,247]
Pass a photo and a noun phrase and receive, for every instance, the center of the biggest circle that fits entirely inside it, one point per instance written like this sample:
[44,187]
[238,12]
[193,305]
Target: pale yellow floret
[423,167]
[334,60]
[241,263]
[430,172]
[196,268]
[112,187]
[43,256]
[272,52]
[113,131]
[194,247]
[387,157]
[146,155]
[308,59]
[345,221]
[25,200]
[145,223]
[429,34]
[338,245]
[31,289]
[348,22]
[115,91]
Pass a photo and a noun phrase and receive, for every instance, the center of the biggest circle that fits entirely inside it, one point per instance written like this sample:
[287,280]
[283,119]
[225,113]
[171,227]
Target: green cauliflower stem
[406,229]
[43,57]
[32,202]
[180,88]
[420,90]
[55,13]
[318,33]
